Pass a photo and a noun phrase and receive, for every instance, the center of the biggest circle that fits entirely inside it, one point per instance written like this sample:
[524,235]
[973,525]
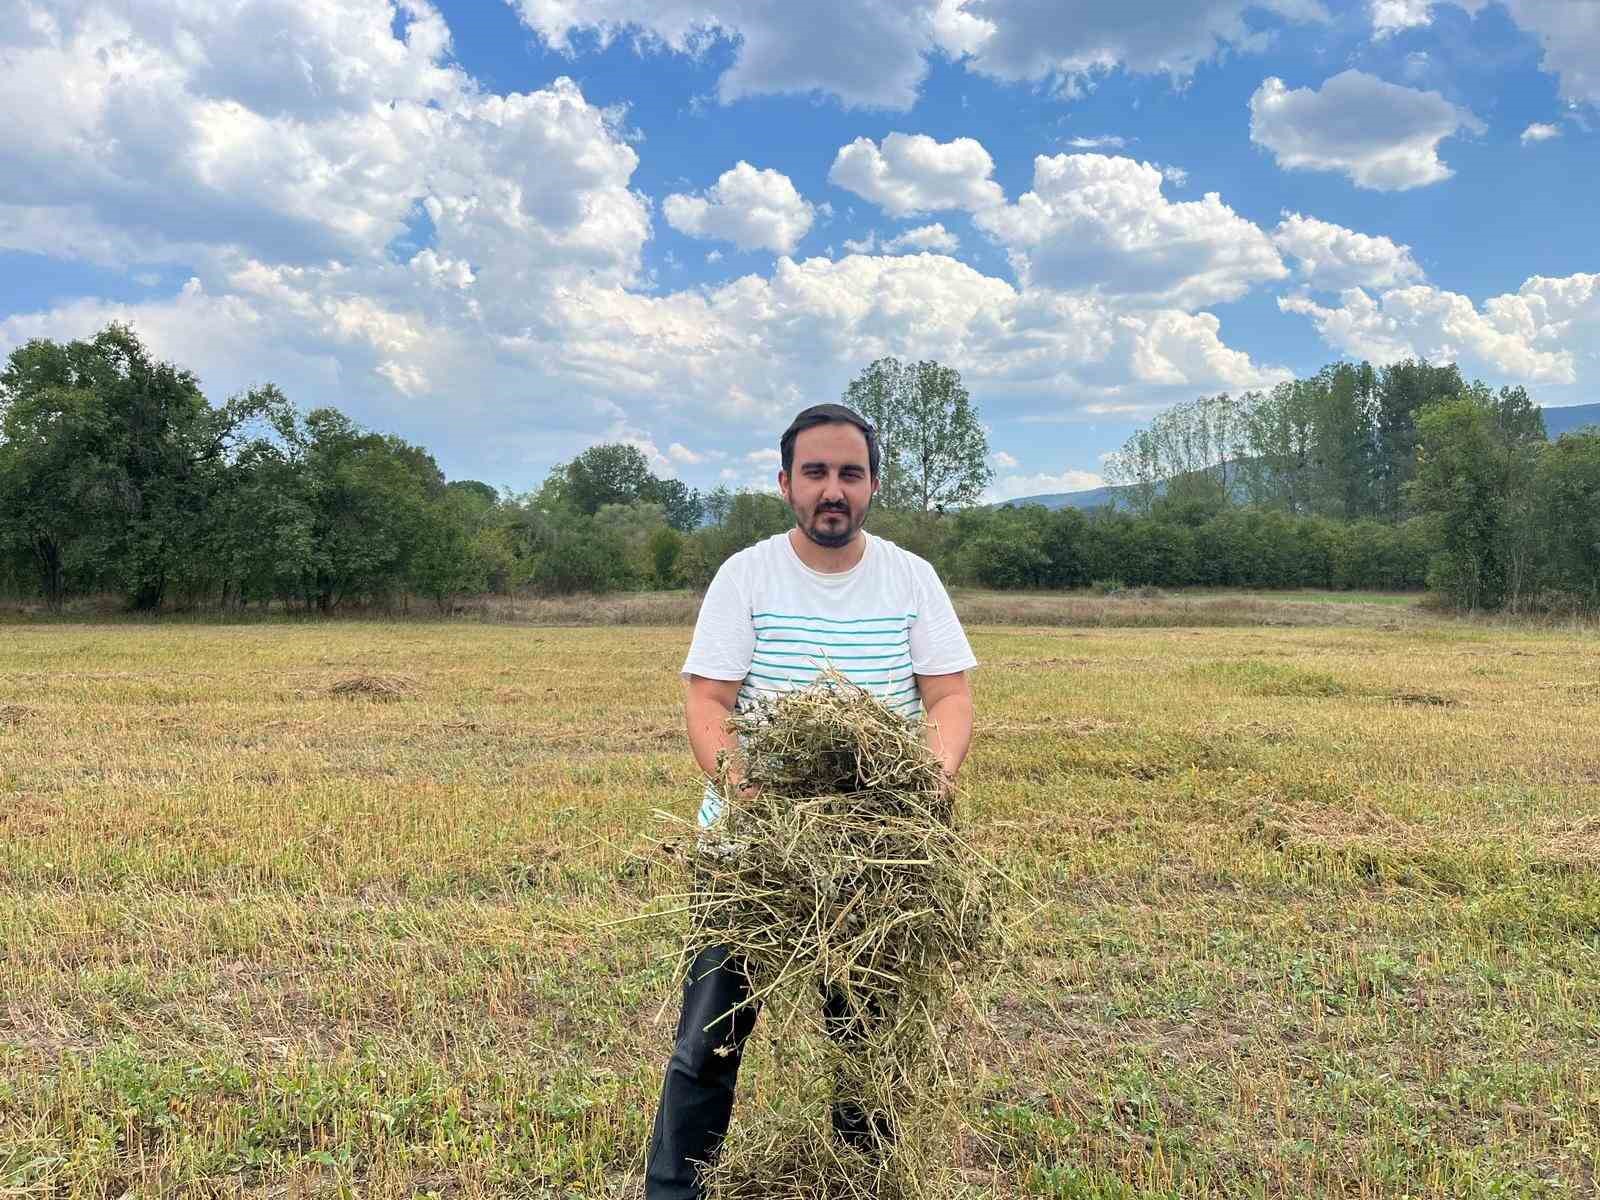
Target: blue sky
[508,230]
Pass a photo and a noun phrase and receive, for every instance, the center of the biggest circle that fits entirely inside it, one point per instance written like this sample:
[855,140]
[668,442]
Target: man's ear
[783,484]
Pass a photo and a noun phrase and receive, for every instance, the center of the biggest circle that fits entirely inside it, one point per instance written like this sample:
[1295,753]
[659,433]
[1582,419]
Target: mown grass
[1321,910]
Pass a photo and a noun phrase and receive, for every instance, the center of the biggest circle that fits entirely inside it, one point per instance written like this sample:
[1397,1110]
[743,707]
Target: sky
[510,229]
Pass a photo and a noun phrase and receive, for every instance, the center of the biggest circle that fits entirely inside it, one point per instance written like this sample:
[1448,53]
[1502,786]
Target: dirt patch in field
[1424,699]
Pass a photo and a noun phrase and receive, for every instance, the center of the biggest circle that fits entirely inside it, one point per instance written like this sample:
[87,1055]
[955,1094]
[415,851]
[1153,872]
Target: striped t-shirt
[774,624]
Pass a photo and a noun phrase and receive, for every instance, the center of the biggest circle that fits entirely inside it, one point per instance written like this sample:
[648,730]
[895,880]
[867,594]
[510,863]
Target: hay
[374,687]
[841,873]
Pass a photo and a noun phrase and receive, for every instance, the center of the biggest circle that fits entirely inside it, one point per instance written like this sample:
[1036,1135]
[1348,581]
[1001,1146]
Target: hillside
[1564,420]
[1557,421]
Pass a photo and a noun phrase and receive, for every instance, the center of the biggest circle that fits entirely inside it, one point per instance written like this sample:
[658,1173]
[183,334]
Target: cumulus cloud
[1105,141]
[1540,133]
[464,267]
[1529,335]
[1382,135]
[1332,258]
[933,237]
[1391,16]
[1570,35]
[1003,460]
[1567,30]
[1177,348]
[142,149]
[873,53]
[1071,41]
[913,173]
[868,53]
[1097,223]
[753,209]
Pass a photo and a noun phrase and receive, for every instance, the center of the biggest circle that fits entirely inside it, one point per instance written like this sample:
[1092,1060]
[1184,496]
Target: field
[1321,907]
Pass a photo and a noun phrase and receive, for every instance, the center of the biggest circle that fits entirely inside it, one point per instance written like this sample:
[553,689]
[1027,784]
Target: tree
[680,504]
[1343,403]
[611,473]
[1404,390]
[112,462]
[882,394]
[934,453]
[1567,500]
[1474,472]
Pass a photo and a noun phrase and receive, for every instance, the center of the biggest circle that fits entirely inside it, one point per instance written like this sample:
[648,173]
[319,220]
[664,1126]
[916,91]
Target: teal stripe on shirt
[812,678]
[831,620]
[760,636]
[832,657]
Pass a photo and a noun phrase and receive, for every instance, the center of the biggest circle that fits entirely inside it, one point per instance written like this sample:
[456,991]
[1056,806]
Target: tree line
[1503,517]
[117,475]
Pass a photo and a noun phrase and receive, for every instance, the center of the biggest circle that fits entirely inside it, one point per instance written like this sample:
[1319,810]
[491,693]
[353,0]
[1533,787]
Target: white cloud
[1332,258]
[1540,133]
[1382,135]
[679,453]
[753,209]
[1101,224]
[866,52]
[933,237]
[1070,41]
[1106,141]
[866,245]
[161,131]
[766,457]
[1392,16]
[913,173]
[1012,487]
[1568,30]
[873,53]
[463,267]
[1003,460]
[1538,334]
[1178,348]
[1176,176]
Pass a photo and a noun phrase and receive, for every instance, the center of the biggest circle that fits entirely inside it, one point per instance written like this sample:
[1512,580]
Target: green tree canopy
[934,451]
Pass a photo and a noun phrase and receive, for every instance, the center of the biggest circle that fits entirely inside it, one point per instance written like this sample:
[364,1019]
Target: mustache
[838,508]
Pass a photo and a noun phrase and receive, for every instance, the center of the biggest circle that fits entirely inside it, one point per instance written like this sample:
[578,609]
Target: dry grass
[1301,938]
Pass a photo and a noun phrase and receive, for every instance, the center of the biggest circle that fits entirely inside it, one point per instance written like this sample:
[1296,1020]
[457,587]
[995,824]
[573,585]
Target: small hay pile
[15,714]
[374,687]
[841,873]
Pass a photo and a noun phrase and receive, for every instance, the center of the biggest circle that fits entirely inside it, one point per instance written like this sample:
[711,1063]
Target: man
[826,592]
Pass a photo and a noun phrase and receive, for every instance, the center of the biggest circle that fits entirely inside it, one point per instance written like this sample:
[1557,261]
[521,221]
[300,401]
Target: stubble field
[1320,909]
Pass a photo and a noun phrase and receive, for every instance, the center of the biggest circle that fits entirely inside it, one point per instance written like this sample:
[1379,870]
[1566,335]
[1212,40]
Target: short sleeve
[724,636]
[938,643]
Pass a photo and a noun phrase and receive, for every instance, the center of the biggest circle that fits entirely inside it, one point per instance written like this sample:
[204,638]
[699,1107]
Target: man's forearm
[949,724]
[708,731]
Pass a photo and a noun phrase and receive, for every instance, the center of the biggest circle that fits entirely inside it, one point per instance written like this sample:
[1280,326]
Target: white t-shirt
[774,624]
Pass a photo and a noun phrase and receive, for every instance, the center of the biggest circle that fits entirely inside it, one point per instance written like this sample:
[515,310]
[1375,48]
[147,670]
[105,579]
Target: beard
[832,534]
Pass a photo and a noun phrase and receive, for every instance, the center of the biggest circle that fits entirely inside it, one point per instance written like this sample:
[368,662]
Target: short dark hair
[828,414]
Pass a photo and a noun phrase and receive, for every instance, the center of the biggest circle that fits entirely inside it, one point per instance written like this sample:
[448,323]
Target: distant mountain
[1564,420]
[1100,497]
[1556,422]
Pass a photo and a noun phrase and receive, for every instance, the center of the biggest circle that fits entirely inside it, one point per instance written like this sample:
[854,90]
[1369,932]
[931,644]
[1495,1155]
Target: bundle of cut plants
[838,877]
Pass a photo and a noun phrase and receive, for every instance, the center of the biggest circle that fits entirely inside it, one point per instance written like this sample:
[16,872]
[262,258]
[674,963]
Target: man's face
[830,486]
